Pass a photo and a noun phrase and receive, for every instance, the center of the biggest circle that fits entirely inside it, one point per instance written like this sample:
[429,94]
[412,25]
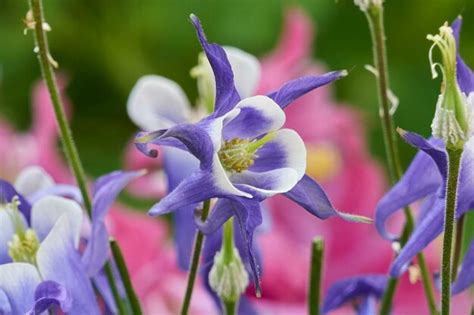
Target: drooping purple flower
[244,156]
[426,179]
[366,289]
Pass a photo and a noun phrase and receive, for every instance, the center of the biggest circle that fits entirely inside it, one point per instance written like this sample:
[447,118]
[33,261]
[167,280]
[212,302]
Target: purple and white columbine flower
[426,178]
[41,265]
[244,155]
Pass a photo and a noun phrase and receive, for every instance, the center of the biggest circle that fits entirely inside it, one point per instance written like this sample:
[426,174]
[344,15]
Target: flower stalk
[317,253]
[198,241]
[72,155]
[451,202]
[374,13]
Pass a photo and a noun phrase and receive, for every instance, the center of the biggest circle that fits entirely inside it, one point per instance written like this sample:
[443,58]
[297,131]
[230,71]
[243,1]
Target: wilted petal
[106,191]
[349,289]
[311,196]
[420,180]
[465,76]
[294,89]
[465,277]
[226,93]
[31,180]
[58,260]
[193,137]
[50,295]
[157,103]
[7,192]
[18,282]
[258,115]
[46,212]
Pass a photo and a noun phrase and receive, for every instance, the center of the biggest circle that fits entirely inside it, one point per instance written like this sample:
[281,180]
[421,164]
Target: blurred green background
[104,46]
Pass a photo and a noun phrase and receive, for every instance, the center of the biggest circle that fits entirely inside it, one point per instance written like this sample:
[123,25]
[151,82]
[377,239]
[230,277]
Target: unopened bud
[365,4]
[228,277]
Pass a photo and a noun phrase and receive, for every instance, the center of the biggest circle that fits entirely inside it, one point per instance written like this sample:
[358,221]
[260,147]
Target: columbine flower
[39,242]
[426,178]
[244,155]
[368,289]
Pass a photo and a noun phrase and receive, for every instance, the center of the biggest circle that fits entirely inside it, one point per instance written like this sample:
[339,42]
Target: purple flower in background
[366,289]
[426,178]
[41,265]
[244,156]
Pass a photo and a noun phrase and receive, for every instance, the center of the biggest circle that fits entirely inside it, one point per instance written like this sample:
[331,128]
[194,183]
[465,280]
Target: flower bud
[228,277]
[452,121]
[365,4]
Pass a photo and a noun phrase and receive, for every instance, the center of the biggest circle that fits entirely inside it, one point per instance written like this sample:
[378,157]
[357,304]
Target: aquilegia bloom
[41,234]
[426,178]
[244,155]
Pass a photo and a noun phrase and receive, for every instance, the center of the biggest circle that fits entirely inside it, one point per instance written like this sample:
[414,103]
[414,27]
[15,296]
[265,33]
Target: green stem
[198,241]
[375,19]
[113,287]
[458,247]
[67,140]
[314,298]
[230,308]
[451,200]
[122,268]
[228,241]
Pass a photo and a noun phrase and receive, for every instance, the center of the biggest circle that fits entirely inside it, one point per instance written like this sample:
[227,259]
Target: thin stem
[230,308]
[115,292]
[228,241]
[375,19]
[314,298]
[67,140]
[458,247]
[198,241]
[122,268]
[451,201]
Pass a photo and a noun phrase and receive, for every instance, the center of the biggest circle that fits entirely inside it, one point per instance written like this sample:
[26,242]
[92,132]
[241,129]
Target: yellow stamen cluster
[23,247]
[235,155]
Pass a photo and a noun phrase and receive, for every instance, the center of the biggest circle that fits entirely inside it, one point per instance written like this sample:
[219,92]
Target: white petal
[157,103]
[6,233]
[46,212]
[267,184]
[32,179]
[19,281]
[258,115]
[223,182]
[247,70]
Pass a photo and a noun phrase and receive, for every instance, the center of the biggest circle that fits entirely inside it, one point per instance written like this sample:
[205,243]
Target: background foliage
[104,46]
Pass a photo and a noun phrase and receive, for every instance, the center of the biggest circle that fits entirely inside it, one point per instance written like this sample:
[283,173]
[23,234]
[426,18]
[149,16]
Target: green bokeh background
[104,46]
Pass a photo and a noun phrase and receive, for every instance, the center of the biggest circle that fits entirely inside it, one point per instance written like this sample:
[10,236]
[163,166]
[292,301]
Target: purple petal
[193,137]
[18,282]
[424,233]
[61,190]
[465,277]
[106,191]
[178,164]
[58,260]
[465,75]
[197,187]
[311,196]
[220,213]
[293,89]
[350,289]
[422,178]
[51,295]
[226,93]
[368,306]
[7,192]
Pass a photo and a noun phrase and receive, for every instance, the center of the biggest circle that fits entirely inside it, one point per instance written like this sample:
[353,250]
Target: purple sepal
[465,277]
[465,75]
[7,192]
[50,295]
[296,88]
[350,289]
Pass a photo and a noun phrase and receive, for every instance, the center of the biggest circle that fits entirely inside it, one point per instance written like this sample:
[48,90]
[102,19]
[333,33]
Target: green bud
[453,114]
[23,247]
[364,5]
